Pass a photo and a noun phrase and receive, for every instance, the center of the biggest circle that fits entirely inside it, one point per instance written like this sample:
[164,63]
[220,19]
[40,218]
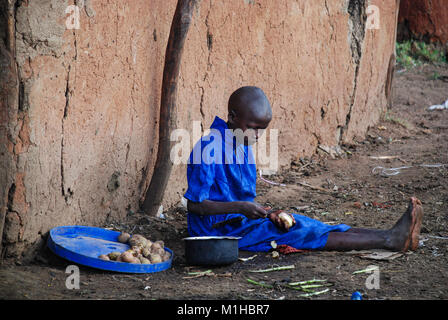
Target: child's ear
[231,116]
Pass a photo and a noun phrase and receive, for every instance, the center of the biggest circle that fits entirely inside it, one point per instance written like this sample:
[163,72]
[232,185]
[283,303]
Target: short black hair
[249,98]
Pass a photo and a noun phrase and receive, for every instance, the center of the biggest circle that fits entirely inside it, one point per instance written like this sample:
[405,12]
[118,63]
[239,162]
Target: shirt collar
[221,125]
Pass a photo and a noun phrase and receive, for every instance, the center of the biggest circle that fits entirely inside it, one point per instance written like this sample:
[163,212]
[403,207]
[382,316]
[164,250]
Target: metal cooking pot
[211,250]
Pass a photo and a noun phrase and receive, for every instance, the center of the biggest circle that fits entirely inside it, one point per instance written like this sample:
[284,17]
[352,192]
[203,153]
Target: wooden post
[162,169]
[9,104]
[389,90]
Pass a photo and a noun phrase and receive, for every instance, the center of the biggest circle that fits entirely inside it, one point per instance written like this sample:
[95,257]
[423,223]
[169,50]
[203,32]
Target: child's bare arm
[208,207]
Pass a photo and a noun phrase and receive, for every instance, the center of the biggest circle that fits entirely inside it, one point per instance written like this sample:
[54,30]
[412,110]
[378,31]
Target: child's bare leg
[346,241]
[403,235]
[363,230]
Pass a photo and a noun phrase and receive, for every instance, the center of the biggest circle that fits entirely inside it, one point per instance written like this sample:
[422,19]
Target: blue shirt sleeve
[200,175]
[200,180]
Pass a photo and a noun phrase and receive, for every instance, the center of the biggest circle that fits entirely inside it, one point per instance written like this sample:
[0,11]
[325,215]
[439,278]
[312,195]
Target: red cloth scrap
[285,249]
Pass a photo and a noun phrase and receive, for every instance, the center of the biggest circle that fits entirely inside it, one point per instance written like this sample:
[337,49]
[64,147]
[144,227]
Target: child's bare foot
[404,234]
[417,226]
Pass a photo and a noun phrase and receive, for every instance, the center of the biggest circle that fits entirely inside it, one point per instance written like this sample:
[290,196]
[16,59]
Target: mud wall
[424,20]
[80,105]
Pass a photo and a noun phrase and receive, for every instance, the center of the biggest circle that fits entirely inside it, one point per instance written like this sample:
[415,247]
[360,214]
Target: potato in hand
[281,219]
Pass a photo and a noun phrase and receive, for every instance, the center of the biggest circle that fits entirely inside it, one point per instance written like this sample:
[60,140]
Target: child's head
[249,108]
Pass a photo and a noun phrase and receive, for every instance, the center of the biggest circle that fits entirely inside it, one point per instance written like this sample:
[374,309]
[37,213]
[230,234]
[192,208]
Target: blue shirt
[219,169]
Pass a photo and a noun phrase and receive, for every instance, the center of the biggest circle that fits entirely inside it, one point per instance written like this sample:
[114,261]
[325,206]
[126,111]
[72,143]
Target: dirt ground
[409,134]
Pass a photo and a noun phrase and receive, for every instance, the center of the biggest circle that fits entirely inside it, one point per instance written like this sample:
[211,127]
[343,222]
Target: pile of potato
[142,250]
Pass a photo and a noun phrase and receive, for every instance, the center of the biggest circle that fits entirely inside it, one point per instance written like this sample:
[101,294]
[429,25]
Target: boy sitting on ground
[221,186]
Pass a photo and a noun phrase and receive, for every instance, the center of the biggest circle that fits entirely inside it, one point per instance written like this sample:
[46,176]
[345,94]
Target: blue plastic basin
[83,245]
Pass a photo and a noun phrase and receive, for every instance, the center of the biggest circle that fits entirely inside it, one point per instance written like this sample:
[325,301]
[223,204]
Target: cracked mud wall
[377,53]
[79,131]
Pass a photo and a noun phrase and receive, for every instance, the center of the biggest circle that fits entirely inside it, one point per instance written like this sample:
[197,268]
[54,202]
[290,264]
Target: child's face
[251,125]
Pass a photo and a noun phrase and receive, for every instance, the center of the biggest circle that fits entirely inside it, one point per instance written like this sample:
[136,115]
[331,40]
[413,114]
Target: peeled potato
[124,237]
[287,219]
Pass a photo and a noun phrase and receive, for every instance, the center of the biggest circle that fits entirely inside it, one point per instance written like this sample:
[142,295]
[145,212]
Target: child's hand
[253,210]
[281,219]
